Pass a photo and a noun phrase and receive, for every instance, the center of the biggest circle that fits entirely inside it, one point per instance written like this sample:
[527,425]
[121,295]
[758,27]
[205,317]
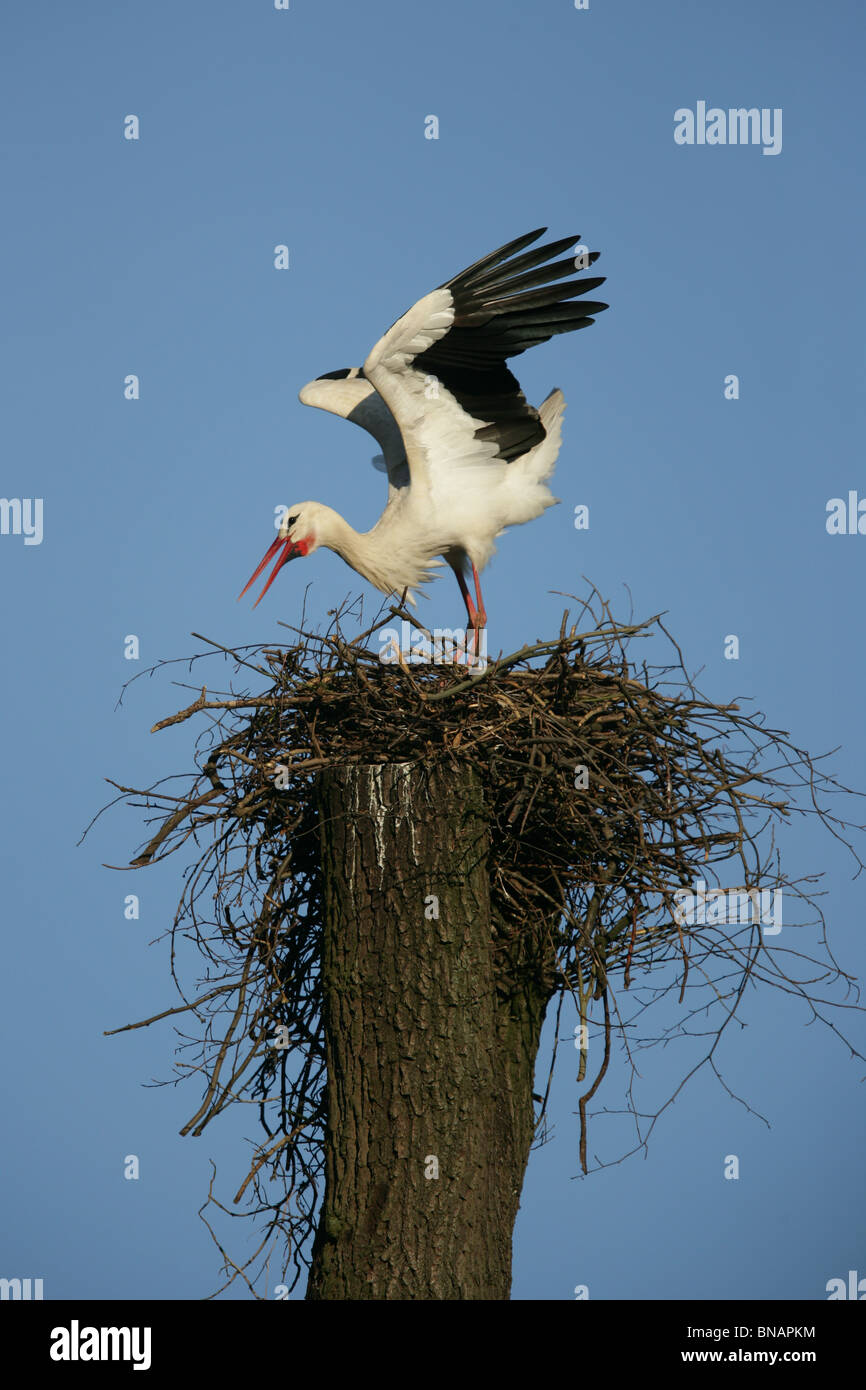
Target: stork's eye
[292,520]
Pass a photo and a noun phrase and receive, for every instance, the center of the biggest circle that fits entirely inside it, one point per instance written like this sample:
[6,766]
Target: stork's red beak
[290,551]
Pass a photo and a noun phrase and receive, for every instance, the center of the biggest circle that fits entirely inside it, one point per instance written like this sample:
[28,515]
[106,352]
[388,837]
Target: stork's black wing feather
[504,304]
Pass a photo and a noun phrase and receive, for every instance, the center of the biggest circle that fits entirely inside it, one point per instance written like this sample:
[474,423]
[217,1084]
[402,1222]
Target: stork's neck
[371,553]
[335,533]
[355,547]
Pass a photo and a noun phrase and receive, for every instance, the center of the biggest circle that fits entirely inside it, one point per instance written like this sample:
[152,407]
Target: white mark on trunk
[378,811]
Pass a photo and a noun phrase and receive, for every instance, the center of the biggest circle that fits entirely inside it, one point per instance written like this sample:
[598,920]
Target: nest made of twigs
[605,792]
[609,787]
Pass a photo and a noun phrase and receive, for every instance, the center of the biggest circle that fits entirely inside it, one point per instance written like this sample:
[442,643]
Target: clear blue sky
[155,257]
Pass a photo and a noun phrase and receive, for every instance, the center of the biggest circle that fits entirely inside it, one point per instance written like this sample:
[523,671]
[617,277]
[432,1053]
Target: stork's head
[299,534]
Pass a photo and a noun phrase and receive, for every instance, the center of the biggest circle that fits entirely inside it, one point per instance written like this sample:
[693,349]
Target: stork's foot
[476,655]
[465,656]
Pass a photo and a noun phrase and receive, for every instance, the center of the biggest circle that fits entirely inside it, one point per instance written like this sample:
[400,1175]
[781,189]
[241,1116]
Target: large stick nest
[609,787]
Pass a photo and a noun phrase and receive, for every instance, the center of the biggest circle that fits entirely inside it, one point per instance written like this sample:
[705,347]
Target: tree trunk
[430,1047]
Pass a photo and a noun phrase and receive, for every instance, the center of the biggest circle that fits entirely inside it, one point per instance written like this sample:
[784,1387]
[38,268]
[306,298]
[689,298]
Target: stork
[465,453]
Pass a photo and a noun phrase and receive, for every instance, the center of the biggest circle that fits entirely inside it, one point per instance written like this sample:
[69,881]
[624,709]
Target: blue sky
[155,257]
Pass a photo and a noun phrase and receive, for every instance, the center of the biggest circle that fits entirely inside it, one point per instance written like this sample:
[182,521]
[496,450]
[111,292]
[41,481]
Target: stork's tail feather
[528,475]
[537,465]
[551,411]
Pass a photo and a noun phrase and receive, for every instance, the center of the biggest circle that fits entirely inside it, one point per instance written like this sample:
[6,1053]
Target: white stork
[465,453]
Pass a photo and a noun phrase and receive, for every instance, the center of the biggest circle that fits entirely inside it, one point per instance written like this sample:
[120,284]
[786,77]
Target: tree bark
[431,1043]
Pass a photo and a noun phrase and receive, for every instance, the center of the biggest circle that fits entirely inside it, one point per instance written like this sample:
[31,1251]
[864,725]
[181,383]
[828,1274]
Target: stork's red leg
[480,619]
[470,607]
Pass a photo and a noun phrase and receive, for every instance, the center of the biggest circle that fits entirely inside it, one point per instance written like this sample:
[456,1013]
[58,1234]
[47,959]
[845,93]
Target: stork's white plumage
[465,453]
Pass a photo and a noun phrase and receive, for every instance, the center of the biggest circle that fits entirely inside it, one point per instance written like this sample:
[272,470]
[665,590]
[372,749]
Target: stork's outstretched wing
[441,368]
[348,393]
